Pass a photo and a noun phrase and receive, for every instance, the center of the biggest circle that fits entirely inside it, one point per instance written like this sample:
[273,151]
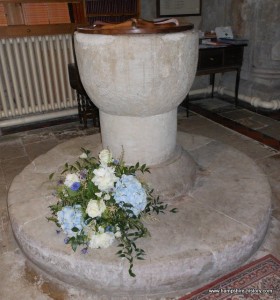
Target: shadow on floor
[260,126]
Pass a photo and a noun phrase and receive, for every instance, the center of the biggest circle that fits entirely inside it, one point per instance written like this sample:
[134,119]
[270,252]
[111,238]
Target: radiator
[34,76]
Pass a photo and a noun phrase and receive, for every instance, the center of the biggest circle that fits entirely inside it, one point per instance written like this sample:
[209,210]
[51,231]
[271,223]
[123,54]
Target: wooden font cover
[137,26]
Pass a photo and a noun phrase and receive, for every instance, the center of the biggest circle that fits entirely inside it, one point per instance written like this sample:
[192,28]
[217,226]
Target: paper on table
[224,32]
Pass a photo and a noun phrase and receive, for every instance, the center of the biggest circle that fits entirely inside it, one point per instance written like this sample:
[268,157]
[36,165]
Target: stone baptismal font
[137,73]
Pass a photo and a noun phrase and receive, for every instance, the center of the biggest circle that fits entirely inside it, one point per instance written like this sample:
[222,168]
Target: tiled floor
[252,124]
[18,149]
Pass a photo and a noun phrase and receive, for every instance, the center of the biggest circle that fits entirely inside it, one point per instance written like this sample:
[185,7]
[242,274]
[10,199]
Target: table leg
[212,82]
[237,87]
[185,104]
[79,107]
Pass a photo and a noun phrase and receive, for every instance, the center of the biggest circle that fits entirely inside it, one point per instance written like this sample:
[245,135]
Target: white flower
[107,197]
[101,229]
[98,194]
[101,240]
[83,155]
[118,234]
[71,179]
[104,178]
[95,208]
[105,157]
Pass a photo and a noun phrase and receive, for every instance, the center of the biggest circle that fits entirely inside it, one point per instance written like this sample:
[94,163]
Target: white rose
[98,194]
[105,157]
[104,178]
[70,179]
[101,240]
[95,208]
[83,155]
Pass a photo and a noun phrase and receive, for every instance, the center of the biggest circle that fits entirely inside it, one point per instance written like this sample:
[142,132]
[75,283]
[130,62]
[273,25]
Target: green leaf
[78,165]
[131,226]
[51,176]
[74,246]
[131,273]
[53,219]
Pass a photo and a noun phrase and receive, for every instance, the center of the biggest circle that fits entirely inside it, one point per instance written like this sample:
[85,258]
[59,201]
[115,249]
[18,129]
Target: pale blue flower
[129,190]
[70,217]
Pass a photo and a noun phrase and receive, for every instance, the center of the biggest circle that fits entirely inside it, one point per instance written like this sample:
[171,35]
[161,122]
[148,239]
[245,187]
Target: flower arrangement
[101,201]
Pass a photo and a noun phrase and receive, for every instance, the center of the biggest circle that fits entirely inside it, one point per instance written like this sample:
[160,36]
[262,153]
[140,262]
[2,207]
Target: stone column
[259,21]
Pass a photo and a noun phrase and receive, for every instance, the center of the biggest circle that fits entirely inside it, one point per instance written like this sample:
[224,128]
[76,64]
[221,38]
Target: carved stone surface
[137,81]
[220,224]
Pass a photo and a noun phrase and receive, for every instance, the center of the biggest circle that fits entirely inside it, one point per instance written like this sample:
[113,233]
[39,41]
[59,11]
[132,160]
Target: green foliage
[120,220]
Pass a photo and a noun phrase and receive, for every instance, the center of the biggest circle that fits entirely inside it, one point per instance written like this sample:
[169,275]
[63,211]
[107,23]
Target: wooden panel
[79,13]
[39,1]
[14,14]
[23,30]
[45,13]
[35,13]
[3,18]
[58,13]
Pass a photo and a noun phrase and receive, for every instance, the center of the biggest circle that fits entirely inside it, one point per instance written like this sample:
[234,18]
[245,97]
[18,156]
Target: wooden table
[219,59]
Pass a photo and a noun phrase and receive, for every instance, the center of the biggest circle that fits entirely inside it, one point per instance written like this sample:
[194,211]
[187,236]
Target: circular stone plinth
[220,223]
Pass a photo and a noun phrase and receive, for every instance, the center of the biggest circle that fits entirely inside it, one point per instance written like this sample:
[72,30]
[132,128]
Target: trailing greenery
[100,201]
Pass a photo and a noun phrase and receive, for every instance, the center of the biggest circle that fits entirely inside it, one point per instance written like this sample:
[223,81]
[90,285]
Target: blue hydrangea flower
[70,217]
[129,190]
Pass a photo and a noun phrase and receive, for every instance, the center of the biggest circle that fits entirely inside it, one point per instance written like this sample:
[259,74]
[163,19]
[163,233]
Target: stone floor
[263,126]
[17,150]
